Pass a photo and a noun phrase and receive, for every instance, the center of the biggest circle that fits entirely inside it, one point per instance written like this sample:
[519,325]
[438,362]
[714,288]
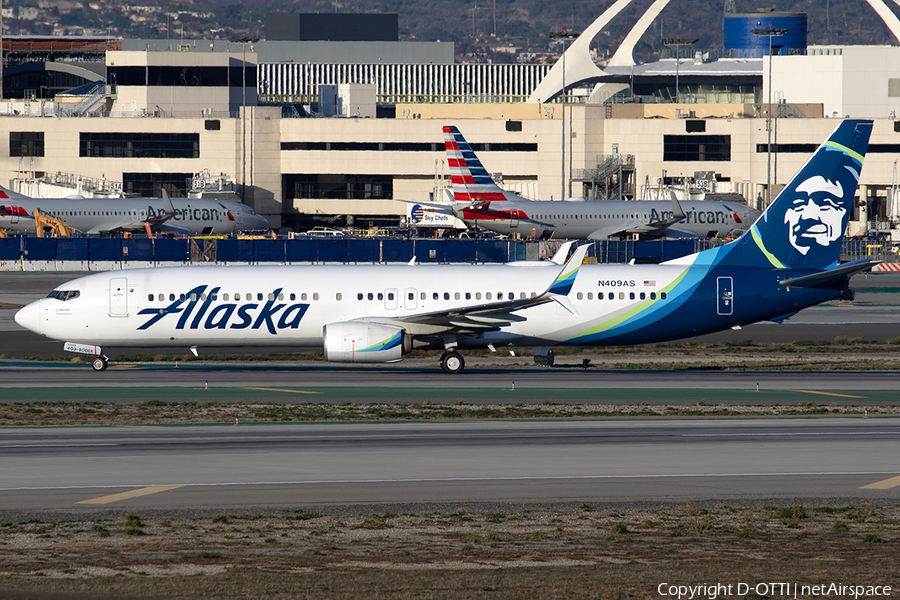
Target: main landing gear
[452,362]
[100,363]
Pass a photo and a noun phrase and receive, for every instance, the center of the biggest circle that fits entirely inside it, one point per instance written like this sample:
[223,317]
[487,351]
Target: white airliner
[787,261]
[480,202]
[99,215]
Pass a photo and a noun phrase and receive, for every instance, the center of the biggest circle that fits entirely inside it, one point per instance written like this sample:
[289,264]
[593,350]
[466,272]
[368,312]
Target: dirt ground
[538,552]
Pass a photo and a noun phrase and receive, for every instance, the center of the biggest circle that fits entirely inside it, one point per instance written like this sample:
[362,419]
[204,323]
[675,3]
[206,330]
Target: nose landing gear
[100,363]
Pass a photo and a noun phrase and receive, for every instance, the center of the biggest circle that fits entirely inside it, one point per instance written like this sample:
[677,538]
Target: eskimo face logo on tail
[195,311]
[816,216]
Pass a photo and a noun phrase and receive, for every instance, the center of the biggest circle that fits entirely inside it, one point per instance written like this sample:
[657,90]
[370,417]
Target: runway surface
[422,464]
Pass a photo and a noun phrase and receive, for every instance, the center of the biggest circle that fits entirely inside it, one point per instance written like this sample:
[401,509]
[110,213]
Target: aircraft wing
[157,222]
[664,227]
[489,316]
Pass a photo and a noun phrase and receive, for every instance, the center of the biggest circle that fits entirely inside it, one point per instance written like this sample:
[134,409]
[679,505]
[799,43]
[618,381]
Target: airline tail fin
[471,181]
[6,193]
[804,227]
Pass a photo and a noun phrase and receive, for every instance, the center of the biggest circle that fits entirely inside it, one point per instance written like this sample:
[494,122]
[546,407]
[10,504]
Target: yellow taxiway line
[280,390]
[153,489]
[885,484]
[825,393]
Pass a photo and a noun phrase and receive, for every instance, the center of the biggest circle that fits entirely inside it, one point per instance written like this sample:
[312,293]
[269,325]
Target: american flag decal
[649,283]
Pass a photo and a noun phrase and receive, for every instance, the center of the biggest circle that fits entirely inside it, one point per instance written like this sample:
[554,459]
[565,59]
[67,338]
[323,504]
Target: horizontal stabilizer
[825,279]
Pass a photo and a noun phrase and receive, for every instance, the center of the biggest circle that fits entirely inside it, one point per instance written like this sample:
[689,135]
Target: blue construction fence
[326,250]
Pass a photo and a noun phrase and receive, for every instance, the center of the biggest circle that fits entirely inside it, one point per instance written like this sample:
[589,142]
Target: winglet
[677,211]
[566,278]
[561,254]
[167,202]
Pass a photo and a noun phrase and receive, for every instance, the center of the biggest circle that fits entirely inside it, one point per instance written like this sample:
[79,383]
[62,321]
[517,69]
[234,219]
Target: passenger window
[172,297]
[487,296]
[390,295]
[631,295]
[338,296]
[653,295]
[293,296]
[359,296]
[446,295]
[478,295]
[203,297]
[315,295]
[412,296]
[281,296]
[259,296]
[580,296]
[380,296]
[150,297]
[643,295]
[237,296]
[303,296]
[370,296]
[213,297]
[662,296]
[225,296]
[468,295]
[435,296]
[590,295]
[423,295]
[621,295]
[194,297]
[521,295]
[599,295]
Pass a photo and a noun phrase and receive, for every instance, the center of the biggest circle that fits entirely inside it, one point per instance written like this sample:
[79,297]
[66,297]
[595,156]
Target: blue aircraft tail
[804,227]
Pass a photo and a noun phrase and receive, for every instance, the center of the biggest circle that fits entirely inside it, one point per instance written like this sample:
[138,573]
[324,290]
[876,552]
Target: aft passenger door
[118,297]
[725,295]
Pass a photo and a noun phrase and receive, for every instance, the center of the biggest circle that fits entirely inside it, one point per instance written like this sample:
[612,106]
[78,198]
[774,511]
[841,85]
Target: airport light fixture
[677,42]
[769,32]
[565,36]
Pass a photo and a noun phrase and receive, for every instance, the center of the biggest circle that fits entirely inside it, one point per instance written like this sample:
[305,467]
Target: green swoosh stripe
[846,150]
[756,238]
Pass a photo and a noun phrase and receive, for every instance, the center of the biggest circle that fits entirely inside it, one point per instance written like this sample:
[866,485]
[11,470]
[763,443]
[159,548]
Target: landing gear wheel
[452,362]
[100,363]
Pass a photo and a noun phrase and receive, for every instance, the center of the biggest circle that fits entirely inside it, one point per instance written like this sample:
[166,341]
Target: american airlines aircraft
[787,261]
[480,202]
[99,215]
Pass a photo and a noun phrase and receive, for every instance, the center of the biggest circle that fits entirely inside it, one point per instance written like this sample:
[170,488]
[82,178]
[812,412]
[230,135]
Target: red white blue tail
[471,181]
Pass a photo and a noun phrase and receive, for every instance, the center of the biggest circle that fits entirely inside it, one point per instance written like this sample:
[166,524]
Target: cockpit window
[64,294]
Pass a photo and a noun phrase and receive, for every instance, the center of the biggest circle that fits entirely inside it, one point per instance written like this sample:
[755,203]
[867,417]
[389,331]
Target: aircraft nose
[29,317]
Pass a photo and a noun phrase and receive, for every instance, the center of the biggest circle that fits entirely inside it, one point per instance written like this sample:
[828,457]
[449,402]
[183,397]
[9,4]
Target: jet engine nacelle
[361,342]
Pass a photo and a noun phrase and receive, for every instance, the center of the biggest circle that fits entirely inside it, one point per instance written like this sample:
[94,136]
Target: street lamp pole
[677,42]
[564,36]
[769,32]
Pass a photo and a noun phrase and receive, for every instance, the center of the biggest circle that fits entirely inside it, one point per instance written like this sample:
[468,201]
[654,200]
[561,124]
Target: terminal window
[150,185]
[26,143]
[697,148]
[140,145]
[338,187]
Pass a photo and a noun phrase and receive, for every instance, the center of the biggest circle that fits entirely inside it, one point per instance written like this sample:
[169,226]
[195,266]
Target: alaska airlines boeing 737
[482,203]
[787,261]
[99,215]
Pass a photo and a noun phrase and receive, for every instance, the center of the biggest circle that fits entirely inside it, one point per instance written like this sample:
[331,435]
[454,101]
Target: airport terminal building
[350,134]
